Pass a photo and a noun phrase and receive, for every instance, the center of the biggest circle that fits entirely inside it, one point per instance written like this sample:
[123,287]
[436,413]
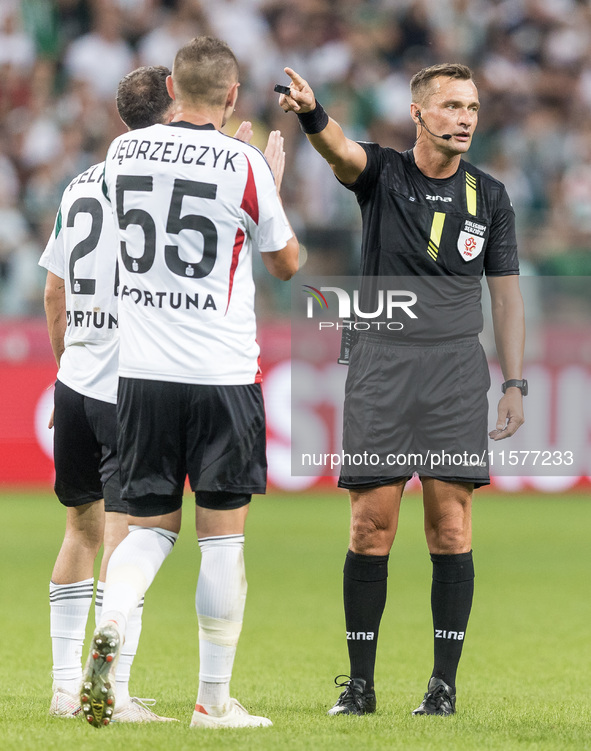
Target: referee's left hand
[509,415]
[301,98]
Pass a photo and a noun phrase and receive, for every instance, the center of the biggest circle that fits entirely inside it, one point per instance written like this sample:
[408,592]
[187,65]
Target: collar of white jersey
[185,124]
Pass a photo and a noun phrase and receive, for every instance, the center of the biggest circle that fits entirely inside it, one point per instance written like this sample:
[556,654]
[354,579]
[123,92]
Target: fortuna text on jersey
[175,300]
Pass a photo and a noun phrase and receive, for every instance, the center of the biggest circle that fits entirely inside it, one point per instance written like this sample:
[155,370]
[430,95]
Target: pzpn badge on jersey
[471,240]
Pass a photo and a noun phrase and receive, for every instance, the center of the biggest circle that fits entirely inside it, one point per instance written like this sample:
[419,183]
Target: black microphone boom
[446,136]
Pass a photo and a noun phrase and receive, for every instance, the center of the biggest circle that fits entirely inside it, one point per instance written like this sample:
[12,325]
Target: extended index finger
[295,77]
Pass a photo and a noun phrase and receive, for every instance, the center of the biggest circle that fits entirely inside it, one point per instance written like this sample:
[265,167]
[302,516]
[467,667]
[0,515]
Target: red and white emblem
[469,245]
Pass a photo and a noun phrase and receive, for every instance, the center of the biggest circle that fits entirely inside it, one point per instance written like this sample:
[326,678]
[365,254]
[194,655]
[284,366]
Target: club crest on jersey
[471,240]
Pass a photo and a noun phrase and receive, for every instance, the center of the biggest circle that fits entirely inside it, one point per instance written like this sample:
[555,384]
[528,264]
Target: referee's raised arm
[346,158]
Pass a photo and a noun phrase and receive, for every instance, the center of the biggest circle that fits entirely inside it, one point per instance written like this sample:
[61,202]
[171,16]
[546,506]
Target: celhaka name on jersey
[471,240]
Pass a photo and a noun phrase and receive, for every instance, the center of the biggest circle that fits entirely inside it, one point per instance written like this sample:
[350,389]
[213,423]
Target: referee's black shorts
[85,450]
[213,434]
[412,408]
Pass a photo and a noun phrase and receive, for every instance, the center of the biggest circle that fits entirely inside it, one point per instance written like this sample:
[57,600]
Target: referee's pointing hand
[301,99]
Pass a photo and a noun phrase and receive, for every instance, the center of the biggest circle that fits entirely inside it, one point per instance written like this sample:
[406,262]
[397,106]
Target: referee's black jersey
[416,226]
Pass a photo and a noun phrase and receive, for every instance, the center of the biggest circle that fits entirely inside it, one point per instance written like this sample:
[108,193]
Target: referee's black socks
[364,592]
[451,601]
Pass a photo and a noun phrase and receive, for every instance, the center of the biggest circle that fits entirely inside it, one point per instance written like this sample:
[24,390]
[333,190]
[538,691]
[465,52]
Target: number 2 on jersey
[90,206]
[174,224]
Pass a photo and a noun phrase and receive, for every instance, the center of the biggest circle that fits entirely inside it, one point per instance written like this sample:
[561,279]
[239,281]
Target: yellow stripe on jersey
[471,193]
[436,230]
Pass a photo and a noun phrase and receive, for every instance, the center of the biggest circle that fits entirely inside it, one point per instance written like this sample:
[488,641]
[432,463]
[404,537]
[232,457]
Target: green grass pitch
[523,682]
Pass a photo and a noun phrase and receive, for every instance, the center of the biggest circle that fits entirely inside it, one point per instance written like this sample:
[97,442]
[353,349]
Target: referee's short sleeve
[367,179]
[501,253]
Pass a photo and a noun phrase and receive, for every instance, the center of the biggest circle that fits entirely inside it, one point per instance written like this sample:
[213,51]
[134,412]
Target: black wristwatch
[521,385]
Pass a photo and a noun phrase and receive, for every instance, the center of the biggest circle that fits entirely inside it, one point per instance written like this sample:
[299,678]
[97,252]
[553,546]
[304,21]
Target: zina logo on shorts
[360,635]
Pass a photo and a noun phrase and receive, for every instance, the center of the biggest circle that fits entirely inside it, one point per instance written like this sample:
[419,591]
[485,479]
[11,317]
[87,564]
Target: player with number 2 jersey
[85,257]
[81,309]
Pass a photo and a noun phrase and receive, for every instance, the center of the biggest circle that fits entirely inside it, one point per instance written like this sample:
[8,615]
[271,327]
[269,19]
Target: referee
[426,214]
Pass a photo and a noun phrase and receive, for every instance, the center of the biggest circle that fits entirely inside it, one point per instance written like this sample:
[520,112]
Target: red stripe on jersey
[238,245]
[250,201]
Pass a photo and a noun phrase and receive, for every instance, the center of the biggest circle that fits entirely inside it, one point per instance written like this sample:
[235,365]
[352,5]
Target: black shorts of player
[213,434]
[85,450]
[411,408]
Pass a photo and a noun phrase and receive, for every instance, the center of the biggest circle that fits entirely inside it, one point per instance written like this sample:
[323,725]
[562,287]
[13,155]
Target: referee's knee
[371,536]
[448,539]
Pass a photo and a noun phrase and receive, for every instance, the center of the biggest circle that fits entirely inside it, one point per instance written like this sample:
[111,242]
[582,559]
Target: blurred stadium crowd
[60,63]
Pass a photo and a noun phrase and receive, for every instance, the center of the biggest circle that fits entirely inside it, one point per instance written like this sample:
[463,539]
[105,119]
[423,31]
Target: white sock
[129,648]
[69,607]
[132,568]
[219,601]
[98,602]
[128,652]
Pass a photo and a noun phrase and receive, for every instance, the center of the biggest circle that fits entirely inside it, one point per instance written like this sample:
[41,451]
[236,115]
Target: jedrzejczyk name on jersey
[191,204]
[82,251]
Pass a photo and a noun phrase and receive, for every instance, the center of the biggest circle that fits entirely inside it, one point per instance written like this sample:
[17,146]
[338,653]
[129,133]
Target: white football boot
[230,715]
[137,710]
[65,704]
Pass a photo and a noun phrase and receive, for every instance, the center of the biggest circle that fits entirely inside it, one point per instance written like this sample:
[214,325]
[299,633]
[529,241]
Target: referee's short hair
[203,71]
[142,98]
[420,83]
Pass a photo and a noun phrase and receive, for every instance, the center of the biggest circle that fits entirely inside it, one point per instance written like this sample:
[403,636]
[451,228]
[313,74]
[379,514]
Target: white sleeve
[53,257]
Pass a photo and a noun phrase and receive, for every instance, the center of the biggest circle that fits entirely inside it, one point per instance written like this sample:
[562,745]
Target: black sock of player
[364,591]
[451,601]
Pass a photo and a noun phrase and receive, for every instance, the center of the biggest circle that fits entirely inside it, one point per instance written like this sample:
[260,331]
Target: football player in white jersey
[81,308]
[192,205]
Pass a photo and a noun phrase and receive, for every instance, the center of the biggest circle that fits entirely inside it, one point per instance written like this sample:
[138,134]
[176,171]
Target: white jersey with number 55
[82,251]
[191,205]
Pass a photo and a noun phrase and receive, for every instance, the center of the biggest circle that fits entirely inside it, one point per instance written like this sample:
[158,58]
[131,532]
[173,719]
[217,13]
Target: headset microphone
[446,136]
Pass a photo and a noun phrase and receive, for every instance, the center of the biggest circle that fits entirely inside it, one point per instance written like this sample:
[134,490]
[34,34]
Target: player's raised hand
[301,99]
[275,156]
[244,132]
